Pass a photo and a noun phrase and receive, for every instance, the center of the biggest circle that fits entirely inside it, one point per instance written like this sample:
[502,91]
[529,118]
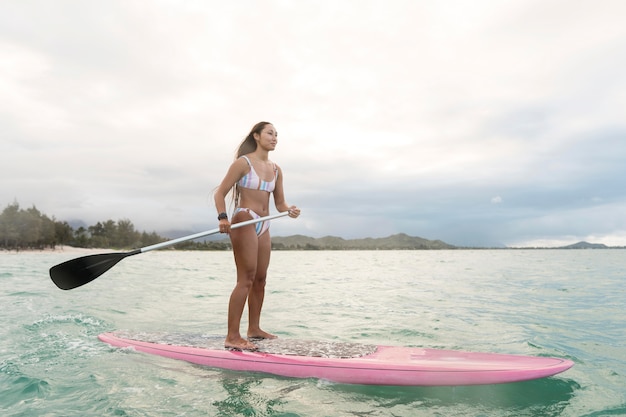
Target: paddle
[80,271]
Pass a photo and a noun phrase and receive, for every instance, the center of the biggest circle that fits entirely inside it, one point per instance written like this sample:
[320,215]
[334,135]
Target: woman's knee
[246,278]
[260,280]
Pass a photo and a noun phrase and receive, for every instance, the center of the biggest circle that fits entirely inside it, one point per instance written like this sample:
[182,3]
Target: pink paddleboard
[349,363]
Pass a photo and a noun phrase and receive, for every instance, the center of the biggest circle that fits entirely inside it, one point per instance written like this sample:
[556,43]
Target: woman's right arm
[234,174]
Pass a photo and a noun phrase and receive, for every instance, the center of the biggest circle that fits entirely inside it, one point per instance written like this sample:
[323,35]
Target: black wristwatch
[222,216]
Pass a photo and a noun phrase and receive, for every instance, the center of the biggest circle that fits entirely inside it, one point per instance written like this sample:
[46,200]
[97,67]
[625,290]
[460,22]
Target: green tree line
[30,229]
[22,229]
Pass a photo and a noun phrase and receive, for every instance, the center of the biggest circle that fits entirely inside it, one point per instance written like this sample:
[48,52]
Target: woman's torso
[257,184]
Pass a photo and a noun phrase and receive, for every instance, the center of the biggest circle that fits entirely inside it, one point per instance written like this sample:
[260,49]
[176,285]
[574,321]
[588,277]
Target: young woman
[252,177]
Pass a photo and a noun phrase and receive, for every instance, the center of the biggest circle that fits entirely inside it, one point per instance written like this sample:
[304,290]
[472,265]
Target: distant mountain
[585,245]
[398,241]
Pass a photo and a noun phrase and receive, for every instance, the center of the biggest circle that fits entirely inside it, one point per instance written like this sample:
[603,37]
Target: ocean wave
[80,319]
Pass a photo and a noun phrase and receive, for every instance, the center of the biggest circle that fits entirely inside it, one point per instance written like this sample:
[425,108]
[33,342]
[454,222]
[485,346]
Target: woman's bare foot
[260,334]
[240,344]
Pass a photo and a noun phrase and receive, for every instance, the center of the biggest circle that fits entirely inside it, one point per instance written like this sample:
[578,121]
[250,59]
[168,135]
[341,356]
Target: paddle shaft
[209,232]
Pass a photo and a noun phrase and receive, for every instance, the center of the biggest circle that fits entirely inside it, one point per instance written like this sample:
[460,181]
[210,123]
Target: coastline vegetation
[29,229]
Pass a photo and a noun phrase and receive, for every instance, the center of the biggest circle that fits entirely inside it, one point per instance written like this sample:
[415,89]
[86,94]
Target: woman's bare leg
[257,292]
[245,249]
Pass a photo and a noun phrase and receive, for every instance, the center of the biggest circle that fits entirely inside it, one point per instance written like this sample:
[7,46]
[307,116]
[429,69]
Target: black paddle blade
[80,271]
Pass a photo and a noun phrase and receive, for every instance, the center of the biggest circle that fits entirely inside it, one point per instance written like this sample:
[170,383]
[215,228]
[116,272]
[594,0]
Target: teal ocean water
[533,302]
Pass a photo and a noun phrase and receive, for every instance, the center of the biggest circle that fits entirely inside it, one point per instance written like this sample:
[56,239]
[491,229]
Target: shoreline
[57,249]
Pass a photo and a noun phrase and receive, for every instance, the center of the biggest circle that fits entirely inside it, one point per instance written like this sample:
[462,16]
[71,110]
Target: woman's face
[268,138]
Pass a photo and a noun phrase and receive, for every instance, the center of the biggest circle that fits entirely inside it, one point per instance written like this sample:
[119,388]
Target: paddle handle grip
[209,232]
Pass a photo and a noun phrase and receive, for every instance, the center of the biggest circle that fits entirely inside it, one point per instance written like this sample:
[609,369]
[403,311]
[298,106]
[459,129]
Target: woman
[253,177]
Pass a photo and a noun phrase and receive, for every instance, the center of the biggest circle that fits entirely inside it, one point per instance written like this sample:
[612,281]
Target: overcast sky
[474,122]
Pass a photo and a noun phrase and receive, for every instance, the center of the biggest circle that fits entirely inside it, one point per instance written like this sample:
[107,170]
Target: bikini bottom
[260,227]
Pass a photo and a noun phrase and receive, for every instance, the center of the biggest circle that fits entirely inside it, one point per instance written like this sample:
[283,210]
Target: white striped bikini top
[252,181]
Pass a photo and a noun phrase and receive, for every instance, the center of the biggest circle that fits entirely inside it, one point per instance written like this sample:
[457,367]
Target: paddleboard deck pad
[350,363]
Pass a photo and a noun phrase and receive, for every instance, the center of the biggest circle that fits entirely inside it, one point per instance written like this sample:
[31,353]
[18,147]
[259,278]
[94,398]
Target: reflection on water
[245,399]
[545,397]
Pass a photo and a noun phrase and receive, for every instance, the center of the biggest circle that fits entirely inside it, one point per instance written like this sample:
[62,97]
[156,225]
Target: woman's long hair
[248,145]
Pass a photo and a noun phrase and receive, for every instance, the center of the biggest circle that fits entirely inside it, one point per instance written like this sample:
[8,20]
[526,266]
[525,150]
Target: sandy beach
[60,249]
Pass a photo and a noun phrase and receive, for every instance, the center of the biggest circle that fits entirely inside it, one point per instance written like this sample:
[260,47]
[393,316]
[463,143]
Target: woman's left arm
[279,197]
